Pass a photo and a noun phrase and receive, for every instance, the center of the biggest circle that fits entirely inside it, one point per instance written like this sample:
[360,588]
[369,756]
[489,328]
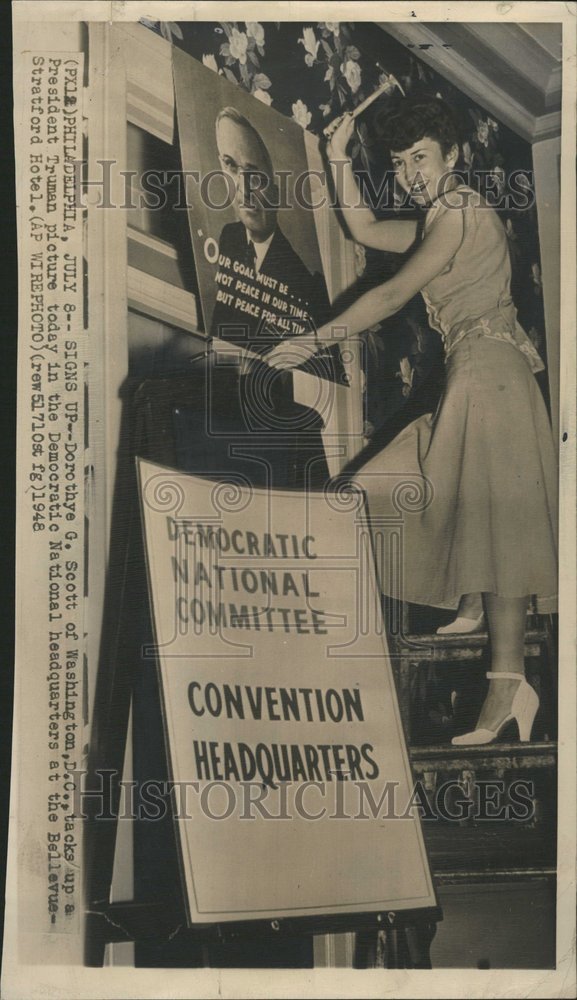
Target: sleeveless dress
[465,500]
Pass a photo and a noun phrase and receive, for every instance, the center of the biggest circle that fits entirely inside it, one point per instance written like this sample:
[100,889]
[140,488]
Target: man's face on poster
[241,155]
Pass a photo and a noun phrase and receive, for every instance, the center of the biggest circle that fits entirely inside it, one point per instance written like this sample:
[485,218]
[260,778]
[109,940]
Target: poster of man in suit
[295,298]
[252,222]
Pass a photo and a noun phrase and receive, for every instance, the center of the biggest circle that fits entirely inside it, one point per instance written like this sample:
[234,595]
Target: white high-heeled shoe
[523,710]
[462,626]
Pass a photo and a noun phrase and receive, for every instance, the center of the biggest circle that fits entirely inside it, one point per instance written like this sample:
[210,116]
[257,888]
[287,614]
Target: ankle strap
[506,676]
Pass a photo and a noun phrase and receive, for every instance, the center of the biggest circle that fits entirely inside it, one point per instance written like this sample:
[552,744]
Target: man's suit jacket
[281,262]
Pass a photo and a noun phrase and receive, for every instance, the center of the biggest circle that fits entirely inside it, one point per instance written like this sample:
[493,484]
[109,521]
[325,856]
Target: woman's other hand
[291,353]
[339,134]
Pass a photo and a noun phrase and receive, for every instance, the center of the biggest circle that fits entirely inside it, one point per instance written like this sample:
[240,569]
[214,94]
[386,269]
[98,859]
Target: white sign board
[284,736]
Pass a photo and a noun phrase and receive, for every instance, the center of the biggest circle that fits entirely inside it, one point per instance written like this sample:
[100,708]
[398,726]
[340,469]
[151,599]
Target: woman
[485,461]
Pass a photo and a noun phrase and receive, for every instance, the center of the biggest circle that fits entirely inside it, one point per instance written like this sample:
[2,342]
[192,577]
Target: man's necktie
[250,254]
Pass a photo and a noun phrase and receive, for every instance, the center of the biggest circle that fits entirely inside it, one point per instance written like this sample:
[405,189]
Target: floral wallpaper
[312,72]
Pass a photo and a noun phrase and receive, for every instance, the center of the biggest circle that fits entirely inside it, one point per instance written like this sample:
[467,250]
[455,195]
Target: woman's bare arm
[393,235]
[436,251]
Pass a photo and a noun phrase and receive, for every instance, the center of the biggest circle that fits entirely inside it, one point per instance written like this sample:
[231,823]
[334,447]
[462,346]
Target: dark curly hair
[417,117]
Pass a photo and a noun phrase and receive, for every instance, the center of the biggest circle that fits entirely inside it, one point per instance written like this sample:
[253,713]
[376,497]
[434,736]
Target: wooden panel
[162,300]
[478,84]
[148,60]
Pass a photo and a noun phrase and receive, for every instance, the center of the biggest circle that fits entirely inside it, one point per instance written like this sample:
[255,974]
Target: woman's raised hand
[339,133]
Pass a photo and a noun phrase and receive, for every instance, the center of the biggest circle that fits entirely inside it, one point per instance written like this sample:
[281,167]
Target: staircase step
[492,756]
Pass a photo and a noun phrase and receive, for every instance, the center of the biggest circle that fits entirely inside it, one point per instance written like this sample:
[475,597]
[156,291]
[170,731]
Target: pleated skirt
[465,500]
